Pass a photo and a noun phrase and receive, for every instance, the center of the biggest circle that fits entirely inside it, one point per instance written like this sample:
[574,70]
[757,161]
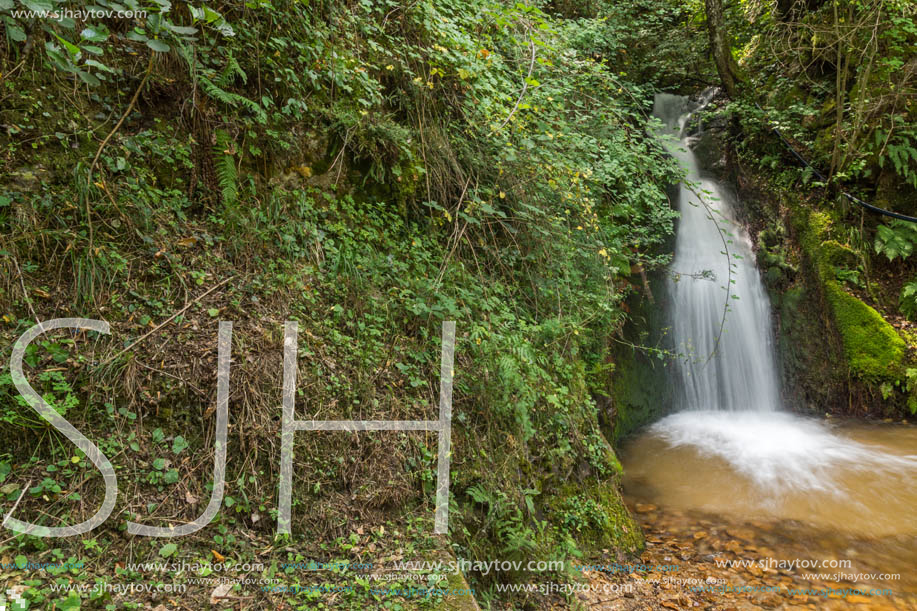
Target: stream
[733,475]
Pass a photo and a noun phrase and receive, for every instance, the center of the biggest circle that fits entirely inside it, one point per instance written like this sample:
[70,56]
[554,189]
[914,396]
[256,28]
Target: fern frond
[231,70]
[232,99]
[225,168]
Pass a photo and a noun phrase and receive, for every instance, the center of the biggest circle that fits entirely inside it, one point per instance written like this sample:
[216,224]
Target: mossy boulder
[837,254]
[597,514]
[873,349]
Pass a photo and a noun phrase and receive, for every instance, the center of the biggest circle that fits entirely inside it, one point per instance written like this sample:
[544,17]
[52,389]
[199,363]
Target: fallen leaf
[220,592]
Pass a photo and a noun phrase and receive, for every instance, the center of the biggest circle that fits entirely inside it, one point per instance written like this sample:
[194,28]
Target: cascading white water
[727,390]
[726,364]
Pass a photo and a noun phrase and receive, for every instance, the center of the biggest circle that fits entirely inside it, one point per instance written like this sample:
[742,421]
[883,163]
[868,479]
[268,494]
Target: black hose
[822,178]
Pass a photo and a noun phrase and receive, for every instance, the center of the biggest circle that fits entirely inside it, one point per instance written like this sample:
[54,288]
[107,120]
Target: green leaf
[71,603]
[6,5]
[167,550]
[213,312]
[179,444]
[71,48]
[99,65]
[159,464]
[15,33]
[94,33]
[40,6]
[137,35]
[158,45]
[87,78]
[182,30]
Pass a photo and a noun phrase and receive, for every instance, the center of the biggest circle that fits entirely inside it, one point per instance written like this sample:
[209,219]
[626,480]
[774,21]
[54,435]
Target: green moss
[641,388]
[466,602]
[636,392]
[873,349]
[596,517]
[835,253]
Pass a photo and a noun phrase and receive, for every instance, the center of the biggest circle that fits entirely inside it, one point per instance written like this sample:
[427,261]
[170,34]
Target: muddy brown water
[857,515]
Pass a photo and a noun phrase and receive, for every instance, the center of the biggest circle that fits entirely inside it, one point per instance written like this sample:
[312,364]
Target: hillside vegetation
[368,169]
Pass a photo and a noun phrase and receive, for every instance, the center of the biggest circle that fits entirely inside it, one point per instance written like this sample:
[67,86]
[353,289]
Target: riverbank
[702,544]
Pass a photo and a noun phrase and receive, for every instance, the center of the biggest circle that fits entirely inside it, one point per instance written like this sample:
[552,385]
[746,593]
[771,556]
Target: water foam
[777,451]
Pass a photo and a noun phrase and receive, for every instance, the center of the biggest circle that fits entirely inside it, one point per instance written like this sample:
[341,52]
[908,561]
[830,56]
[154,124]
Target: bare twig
[458,207]
[25,292]
[130,107]
[340,157]
[525,86]
[95,160]
[15,505]
[173,376]
[166,321]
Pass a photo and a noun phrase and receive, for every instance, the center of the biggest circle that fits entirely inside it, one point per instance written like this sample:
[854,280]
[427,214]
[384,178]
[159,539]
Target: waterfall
[727,395]
[719,311]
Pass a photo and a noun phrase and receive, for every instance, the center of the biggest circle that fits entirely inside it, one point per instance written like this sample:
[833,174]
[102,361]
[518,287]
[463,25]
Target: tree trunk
[719,45]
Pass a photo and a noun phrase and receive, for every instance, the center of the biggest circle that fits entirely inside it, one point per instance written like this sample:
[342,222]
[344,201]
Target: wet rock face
[710,150]
[709,132]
